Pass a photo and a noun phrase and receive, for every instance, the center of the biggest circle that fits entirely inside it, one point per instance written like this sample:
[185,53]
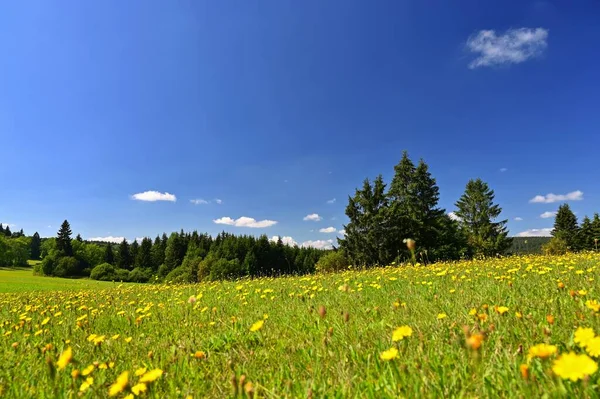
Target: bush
[103,272]
[333,261]
[181,274]
[121,275]
[66,266]
[556,246]
[225,269]
[163,270]
[38,270]
[140,275]
[48,264]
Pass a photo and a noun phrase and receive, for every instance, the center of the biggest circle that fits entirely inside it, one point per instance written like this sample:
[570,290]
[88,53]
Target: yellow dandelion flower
[140,371]
[572,366]
[199,355]
[441,316]
[389,354]
[128,339]
[45,321]
[593,304]
[583,335]
[86,384]
[119,385]
[501,309]
[257,326]
[542,351]
[151,376]
[593,347]
[138,388]
[401,332]
[472,312]
[65,358]
[518,315]
[87,370]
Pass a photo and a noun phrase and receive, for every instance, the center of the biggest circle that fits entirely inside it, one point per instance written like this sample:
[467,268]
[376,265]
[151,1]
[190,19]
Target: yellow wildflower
[140,371]
[401,332]
[151,376]
[572,366]
[65,358]
[583,335]
[257,326]
[593,347]
[120,384]
[542,351]
[441,316]
[389,354]
[88,370]
[138,388]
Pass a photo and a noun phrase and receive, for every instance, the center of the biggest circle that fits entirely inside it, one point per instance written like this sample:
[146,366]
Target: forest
[392,224]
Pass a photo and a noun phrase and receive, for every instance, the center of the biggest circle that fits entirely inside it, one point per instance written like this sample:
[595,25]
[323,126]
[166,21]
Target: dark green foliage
[556,246]
[175,251]
[124,260]
[566,228]
[140,275]
[78,238]
[66,266]
[49,263]
[103,272]
[7,232]
[527,245]
[477,213]
[109,256]
[158,252]
[63,239]
[585,237]
[134,248]
[143,259]
[14,251]
[35,247]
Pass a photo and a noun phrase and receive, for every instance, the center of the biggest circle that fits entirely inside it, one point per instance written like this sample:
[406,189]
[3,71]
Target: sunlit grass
[460,329]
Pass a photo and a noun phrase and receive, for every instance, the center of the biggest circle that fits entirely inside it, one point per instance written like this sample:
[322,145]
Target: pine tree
[586,234]
[596,230]
[133,251]
[109,256]
[1,230]
[144,255]
[175,252]
[78,238]
[63,239]
[7,231]
[35,247]
[566,227]
[402,202]
[477,212]
[124,260]
[158,253]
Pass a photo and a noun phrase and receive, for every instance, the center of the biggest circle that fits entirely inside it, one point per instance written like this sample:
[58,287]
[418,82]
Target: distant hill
[527,245]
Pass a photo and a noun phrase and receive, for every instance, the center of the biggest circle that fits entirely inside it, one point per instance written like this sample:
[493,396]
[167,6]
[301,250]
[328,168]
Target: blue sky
[276,108]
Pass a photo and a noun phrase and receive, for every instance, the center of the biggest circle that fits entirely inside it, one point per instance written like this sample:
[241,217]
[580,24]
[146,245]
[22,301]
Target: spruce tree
[566,227]
[78,238]
[586,234]
[7,231]
[133,251]
[477,213]
[63,239]
[109,256]
[124,256]
[1,230]
[35,247]
[144,255]
[175,252]
[596,230]
[158,253]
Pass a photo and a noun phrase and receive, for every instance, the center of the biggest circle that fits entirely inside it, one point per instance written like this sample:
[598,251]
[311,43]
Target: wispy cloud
[550,198]
[547,215]
[107,239]
[342,232]
[512,47]
[287,240]
[331,201]
[536,233]
[319,244]
[454,216]
[152,196]
[518,219]
[218,201]
[11,225]
[328,230]
[245,221]
[199,201]
[503,170]
[313,217]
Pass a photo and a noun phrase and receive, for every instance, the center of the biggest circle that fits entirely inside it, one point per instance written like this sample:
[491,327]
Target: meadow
[512,327]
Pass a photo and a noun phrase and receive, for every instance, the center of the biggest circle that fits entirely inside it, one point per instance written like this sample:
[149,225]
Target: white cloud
[313,217]
[550,198]
[328,230]
[331,201]
[218,201]
[319,244]
[152,196]
[10,225]
[454,216]
[513,47]
[342,232]
[245,221]
[287,240]
[503,169]
[107,239]
[547,215]
[199,201]
[536,233]
[518,219]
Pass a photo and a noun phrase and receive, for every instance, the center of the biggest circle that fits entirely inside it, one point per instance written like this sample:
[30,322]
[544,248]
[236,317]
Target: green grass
[302,351]
[22,280]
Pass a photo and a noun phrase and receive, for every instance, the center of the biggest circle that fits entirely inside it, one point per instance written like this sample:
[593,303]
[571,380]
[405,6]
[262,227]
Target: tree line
[383,217]
[569,235]
[179,257]
[16,248]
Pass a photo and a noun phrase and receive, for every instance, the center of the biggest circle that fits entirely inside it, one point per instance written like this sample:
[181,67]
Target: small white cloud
[454,216]
[218,201]
[328,230]
[513,47]
[518,219]
[331,201]
[287,240]
[547,215]
[550,198]
[107,239]
[342,232]
[10,225]
[199,201]
[49,226]
[152,196]
[536,233]
[245,221]
[140,239]
[503,170]
[319,244]
[313,217]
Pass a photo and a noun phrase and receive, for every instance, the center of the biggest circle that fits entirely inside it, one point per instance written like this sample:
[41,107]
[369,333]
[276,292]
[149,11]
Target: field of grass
[22,279]
[468,330]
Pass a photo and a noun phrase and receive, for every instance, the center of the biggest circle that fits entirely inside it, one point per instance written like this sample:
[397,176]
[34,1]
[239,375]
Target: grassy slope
[22,279]
[297,351]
